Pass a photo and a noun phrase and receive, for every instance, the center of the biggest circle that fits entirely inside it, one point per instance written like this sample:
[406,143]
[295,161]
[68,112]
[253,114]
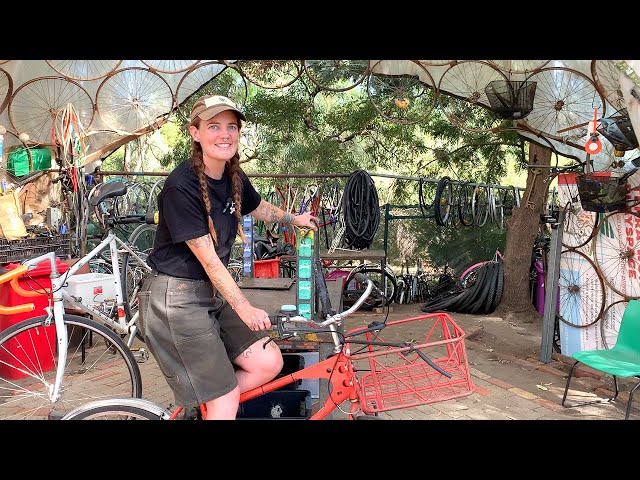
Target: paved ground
[510,381]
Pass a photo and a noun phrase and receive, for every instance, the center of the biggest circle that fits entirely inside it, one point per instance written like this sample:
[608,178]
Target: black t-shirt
[183,217]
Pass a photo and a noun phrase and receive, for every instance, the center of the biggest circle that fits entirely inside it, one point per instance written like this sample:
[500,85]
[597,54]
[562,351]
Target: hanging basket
[510,99]
[602,193]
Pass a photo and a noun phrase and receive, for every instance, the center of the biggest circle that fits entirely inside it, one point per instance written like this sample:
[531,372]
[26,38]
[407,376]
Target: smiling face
[218,137]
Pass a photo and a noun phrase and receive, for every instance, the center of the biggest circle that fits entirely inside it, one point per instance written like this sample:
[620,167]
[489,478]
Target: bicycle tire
[118,409]
[443,203]
[132,278]
[370,272]
[28,361]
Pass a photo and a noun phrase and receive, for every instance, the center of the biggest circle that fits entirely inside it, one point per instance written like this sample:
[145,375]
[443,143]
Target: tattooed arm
[203,249]
[271,214]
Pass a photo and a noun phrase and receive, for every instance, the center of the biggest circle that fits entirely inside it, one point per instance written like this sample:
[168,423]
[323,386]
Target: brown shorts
[193,335]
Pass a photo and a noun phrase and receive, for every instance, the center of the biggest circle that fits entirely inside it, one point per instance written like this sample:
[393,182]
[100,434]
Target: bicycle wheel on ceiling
[196,77]
[35,105]
[579,225]
[270,74]
[214,77]
[170,66]
[133,98]
[565,99]
[336,75]
[6,89]
[607,79]
[617,252]
[437,63]
[463,99]
[401,97]
[84,69]
[519,66]
[581,290]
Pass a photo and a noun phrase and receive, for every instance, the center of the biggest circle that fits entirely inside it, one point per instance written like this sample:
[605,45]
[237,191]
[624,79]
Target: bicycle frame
[61,296]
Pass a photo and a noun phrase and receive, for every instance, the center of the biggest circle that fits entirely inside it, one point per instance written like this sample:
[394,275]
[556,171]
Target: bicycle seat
[107,190]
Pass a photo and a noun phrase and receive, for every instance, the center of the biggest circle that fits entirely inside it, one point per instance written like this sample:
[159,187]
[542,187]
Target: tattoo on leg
[247,353]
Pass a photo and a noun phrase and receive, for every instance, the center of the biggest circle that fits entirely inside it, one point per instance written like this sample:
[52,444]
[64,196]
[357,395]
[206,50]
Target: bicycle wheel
[519,66]
[610,324]
[480,205]
[133,98]
[337,75]
[132,272]
[444,203]
[463,98]
[465,201]
[270,74]
[118,409]
[384,282]
[6,89]
[98,365]
[402,98]
[579,225]
[170,66]
[35,104]
[617,252]
[607,79]
[84,69]
[565,98]
[581,290]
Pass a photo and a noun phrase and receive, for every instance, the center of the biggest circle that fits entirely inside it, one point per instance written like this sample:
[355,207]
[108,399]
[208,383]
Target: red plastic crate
[21,348]
[266,268]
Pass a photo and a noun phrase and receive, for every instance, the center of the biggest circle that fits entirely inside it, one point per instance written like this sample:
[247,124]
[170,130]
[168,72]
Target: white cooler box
[91,288]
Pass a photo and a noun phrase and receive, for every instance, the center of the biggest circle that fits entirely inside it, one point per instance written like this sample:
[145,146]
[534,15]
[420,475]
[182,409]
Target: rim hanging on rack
[581,291]
[402,98]
[35,105]
[133,98]
[84,69]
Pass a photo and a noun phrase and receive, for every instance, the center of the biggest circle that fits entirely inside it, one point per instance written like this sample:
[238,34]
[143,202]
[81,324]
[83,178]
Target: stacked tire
[478,292]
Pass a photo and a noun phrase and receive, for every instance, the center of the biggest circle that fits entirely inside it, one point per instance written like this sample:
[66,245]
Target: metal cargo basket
[511,99]
[600,193]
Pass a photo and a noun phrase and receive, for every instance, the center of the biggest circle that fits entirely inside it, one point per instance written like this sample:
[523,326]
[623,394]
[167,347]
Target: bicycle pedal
[140,354]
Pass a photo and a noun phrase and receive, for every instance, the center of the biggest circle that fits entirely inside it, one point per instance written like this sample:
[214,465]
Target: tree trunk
[522,229]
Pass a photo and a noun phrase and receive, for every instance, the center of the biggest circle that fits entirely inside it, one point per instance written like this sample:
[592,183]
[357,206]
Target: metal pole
[551,288]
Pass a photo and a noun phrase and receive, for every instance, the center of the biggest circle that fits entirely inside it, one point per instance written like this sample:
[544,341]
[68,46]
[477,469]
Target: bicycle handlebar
[11,276]
[281,320]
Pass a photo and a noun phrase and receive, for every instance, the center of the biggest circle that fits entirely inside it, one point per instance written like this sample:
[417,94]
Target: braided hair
[232,168]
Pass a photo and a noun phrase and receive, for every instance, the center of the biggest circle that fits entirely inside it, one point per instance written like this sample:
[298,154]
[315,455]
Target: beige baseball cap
[209,106]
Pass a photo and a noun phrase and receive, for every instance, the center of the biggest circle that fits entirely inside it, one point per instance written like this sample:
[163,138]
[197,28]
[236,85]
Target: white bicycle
[51,363]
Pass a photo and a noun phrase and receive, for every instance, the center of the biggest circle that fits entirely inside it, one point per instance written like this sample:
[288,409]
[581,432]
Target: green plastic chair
[622,360]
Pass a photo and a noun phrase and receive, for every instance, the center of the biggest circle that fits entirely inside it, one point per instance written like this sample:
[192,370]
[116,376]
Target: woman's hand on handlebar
[255,318]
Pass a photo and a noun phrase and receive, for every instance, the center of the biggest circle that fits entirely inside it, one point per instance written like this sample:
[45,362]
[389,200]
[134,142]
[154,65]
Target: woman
[209,341]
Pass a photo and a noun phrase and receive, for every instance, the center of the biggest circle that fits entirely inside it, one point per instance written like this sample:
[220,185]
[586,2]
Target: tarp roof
[117,100]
